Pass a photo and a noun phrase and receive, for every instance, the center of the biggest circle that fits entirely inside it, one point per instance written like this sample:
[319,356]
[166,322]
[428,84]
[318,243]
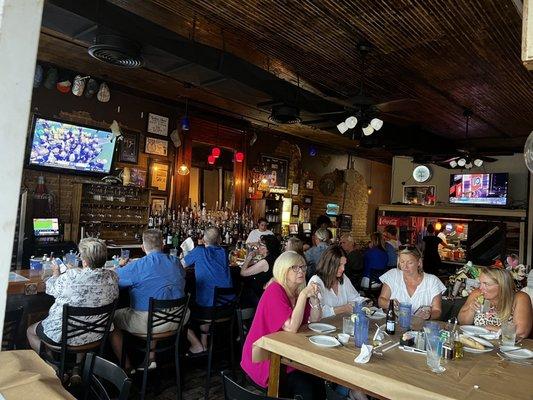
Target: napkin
[365,354]
[187,246]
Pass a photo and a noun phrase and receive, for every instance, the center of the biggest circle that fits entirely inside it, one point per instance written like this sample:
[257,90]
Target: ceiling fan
[467,158]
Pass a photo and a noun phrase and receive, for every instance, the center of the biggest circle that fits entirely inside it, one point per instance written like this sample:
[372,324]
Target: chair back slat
[234,391]
[80,321]
[161,312]
[12,321]
[96,370]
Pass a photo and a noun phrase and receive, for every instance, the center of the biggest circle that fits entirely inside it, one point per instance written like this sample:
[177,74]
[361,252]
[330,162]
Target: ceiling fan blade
[399,105]
[361,100]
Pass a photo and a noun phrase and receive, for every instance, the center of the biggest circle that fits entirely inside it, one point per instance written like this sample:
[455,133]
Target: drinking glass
[508,333]
[432,354]
[358,307]
[404,316]
[347,325]
[431,328]
[361,330]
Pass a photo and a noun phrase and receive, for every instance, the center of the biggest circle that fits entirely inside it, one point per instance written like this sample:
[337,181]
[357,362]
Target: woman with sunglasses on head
[337,293]
[257,274]
[286,304]
[497,287]
[410,284]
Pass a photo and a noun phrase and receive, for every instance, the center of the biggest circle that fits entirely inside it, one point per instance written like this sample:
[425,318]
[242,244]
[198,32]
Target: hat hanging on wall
[64,83]
[175,137]
[91,88]
[38,76]
[103,93]
[51,78]
[78,86]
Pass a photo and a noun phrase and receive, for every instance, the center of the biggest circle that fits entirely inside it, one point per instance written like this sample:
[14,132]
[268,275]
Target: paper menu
[187,246]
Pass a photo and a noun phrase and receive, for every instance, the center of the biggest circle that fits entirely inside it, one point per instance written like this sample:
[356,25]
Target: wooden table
[24,375]
[398,375]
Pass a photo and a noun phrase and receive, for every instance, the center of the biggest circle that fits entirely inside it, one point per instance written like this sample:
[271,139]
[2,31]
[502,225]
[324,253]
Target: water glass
[432,353]
[361,329]
[404,316]
[174,252]
[431,328]
[347,325]
[508,333]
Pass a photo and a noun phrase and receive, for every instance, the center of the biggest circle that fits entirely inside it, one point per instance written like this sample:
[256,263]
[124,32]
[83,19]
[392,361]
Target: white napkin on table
[365,354]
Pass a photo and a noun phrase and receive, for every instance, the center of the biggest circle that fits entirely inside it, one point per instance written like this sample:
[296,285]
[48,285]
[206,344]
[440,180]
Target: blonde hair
[411,251]
[282,265]
[505,292]
[93,251]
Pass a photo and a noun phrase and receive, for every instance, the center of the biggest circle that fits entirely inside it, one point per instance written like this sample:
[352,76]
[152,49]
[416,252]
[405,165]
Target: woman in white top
[336,292]
[410,284]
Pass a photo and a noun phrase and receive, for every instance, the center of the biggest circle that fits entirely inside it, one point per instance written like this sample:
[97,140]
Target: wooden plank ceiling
[431,59]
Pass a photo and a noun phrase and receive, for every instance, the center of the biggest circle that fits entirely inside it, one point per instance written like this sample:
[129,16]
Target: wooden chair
[78,321]
[159,312]
[12,321]
[245,317]
[96,370]
[234,391]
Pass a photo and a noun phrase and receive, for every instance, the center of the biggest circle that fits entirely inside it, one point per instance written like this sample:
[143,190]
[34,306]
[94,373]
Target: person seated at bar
[321,240]
[390,235]
[257,274]
[156,275]
[337,292]
[294,244]
[255,235]
[354,260]
[286,304]
[376,260]
[211,270]
[410,284]
[432,261]
[497,286]
[88,286]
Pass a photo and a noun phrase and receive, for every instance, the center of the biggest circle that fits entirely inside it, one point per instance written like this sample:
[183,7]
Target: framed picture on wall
[423,195]
[276,171]
[158,204]
[157,124]
[309,184]
[128,148]
[308,200]
[295,211]
[294,191]
[158,175]
[138,177]
[156,146]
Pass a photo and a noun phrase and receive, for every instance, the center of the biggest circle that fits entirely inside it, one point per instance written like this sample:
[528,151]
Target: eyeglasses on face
[297,268]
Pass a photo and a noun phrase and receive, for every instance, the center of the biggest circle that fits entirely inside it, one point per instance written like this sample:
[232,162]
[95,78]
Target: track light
[351,122]
[478,162]
[453,163]
[461,162]
[376,123]
[342,127]
[469,165]
[368,130]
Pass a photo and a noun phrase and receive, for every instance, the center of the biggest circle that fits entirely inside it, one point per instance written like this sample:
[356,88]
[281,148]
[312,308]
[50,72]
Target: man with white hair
[156,275]
[211,270]
[321,240]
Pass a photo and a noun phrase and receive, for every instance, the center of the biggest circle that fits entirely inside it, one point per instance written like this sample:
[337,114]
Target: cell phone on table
[62,266]
[422,310]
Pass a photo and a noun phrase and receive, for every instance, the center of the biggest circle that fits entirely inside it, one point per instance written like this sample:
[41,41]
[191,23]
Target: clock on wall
[422,173]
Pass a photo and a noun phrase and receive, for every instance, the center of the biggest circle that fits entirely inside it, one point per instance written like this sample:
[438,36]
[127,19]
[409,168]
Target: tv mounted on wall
[62,146]
[482,189]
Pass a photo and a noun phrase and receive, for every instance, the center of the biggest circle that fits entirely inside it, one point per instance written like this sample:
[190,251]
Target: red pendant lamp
[215,152]
[211,159]
[239,156]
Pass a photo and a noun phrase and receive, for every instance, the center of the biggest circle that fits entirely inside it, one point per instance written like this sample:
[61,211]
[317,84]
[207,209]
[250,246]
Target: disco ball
[528,152]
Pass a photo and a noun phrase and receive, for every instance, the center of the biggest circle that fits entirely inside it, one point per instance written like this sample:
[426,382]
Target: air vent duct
[117,50]
[285,114]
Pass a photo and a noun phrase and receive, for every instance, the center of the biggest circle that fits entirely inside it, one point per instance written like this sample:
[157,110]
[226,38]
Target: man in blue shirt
[156,275]
[390,234]
[321,240]
[211,270]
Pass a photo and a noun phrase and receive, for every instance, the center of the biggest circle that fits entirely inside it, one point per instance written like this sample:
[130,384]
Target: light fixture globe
[453,163]
[183,170]
[469,165]
[478,162]
[368,130]
[185,124]
[239,156]
[215,152]
[461,162]
[351,122]
[376,123]
[342,127]
[211,160]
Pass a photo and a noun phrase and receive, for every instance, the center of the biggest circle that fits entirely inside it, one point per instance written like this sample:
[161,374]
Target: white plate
[321,328]
[379,314]
[475,351]
[521,354]
[507,348]
[491,335]
[484,342]
[324,341]
[474,330]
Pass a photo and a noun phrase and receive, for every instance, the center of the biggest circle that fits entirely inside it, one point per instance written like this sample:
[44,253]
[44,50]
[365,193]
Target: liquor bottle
[391,319]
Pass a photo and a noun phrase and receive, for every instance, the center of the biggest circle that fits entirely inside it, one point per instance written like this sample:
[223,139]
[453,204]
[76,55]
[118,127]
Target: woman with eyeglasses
[257,274]
[286,304]
[338,295]
[497,287]
[410,284]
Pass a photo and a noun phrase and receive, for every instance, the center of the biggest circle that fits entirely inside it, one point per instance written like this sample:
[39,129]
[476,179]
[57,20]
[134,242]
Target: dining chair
[234,391]
[96,370]
[12,321]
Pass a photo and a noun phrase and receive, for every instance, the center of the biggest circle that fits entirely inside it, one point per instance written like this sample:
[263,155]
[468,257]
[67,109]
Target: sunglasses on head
[409,248]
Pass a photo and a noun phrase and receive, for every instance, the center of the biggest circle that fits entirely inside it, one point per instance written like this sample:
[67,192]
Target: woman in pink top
[284,305]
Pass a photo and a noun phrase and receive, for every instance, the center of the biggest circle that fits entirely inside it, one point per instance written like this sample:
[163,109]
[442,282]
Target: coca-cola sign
[384,221]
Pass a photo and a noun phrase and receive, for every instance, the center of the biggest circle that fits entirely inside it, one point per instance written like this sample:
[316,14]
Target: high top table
[397,374]
[25,376]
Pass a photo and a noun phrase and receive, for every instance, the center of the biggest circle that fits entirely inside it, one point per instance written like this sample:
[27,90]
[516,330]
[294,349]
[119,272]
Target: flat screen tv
[60,145]
[482,189]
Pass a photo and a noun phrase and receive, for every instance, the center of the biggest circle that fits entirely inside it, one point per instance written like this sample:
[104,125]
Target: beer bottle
[391,319]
